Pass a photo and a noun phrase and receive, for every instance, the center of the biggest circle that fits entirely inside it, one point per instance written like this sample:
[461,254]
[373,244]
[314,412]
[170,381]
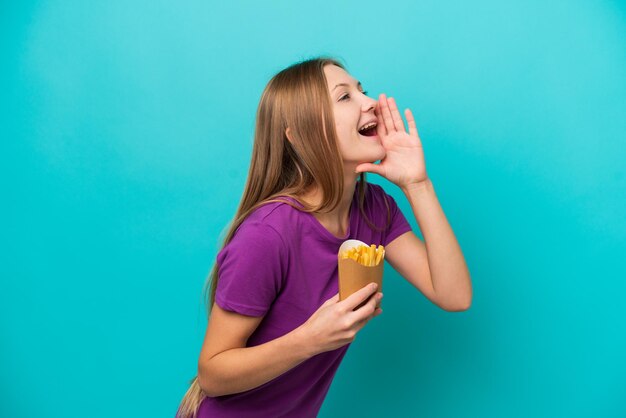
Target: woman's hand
[336,323]
[404,163]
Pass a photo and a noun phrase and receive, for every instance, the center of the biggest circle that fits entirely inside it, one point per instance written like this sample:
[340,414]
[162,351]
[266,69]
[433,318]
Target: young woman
[277,331]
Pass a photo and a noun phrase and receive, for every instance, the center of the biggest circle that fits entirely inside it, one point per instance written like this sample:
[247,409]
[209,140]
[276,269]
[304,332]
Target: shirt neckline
[322,229]
[329,235]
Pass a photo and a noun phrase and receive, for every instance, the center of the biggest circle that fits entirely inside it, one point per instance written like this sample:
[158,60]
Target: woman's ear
[288,134]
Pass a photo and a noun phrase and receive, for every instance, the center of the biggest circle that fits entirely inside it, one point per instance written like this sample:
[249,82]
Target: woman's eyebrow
[358,84]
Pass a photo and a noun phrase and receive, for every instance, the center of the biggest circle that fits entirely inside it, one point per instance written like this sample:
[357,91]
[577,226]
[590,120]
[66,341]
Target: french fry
[368,256]
[379,253]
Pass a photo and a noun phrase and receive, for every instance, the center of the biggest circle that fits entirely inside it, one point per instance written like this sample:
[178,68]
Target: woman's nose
[369,104]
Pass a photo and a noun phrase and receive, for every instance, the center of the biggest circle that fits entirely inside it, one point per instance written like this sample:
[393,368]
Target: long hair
[296,97]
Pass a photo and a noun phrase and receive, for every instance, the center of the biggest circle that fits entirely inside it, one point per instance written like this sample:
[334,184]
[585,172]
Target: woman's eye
[347,95]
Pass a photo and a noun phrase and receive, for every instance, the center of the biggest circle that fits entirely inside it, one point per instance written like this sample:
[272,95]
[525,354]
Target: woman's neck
[337,220]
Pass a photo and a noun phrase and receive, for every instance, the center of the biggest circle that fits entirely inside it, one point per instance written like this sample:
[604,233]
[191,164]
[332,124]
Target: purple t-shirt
[282,263]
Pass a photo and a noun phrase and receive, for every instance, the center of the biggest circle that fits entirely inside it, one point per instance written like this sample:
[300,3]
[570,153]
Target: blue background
[126,136]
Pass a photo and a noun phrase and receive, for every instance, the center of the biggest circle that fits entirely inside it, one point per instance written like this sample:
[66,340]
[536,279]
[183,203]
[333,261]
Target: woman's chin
[373,157]
[381,154]
[375,149]
[364,154]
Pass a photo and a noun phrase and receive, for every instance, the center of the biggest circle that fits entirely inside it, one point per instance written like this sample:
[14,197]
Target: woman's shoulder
[273,217]
[261,231]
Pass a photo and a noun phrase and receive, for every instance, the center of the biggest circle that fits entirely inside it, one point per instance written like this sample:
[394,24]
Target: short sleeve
[398,224]
[251,268]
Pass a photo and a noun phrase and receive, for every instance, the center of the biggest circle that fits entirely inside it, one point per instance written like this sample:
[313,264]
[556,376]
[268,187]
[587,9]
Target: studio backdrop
[126,133]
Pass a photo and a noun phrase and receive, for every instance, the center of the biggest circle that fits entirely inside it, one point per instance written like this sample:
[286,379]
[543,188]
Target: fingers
[381,130]
[386,114]
[371,168]
[332,300]
[395,115]
[390,114]
[359,297]
[367,311]
[411,121]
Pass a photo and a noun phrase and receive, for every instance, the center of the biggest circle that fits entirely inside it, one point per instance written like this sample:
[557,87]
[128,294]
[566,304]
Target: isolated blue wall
[126,135]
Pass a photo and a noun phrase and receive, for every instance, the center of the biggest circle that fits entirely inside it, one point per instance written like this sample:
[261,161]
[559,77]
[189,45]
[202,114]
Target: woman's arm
[227,366]
[405,166]
[223,370]
[436,266]
[240,369]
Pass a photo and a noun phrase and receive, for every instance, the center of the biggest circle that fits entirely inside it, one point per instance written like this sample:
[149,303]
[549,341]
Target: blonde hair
[296,97]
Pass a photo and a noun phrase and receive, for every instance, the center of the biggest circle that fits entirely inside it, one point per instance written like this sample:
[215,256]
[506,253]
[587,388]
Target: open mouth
[368,130]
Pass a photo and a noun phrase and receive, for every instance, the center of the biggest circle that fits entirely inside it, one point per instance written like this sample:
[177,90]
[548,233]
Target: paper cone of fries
[359,265]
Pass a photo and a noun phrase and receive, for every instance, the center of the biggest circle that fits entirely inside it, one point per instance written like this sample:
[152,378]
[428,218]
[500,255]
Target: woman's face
[353,110]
